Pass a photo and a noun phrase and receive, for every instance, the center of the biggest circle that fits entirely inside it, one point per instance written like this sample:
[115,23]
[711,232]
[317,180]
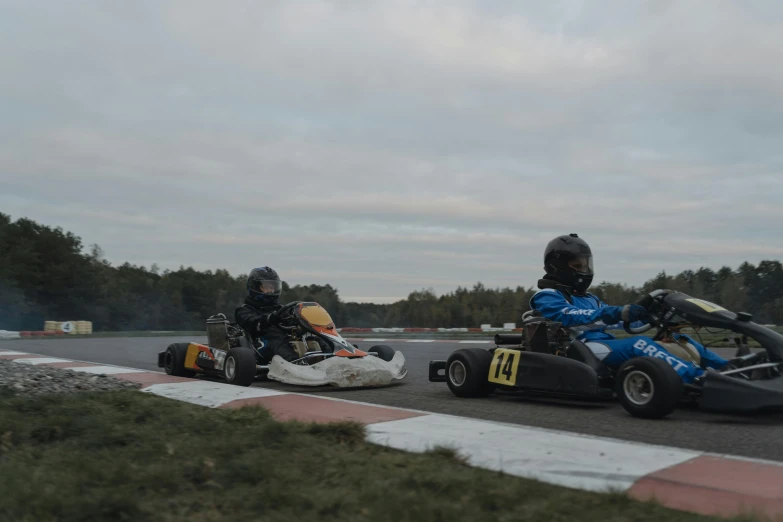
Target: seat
[247,342]
[540,334]
[579,351]
[537,337]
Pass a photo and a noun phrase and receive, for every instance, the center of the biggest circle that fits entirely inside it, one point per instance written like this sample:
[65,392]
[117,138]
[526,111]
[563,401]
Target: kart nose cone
[342,372]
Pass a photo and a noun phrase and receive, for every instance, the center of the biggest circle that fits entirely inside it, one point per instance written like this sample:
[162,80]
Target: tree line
[48,274]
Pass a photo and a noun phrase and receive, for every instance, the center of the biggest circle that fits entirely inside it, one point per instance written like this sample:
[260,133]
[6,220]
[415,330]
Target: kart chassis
[546,361]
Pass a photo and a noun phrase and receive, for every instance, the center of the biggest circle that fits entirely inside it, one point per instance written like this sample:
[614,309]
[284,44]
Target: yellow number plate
[503,369]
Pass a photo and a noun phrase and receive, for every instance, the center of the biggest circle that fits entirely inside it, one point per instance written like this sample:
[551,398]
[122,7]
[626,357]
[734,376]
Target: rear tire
[174,360]
[239,368]
[648,387]
[384,352]
[467,371]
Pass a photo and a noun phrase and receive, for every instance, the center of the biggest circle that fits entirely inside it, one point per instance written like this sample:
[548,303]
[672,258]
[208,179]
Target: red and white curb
[682,479]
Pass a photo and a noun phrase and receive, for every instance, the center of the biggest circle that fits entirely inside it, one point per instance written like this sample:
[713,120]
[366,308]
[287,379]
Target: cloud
[383,147]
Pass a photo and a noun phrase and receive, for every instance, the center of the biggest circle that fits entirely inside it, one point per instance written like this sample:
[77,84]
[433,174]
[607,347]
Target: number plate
[503,369]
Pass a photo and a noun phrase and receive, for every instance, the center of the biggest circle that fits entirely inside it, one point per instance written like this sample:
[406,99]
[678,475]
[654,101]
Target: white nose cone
[342,372]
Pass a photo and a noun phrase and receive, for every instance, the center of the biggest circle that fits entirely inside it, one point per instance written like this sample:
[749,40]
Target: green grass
[125,456]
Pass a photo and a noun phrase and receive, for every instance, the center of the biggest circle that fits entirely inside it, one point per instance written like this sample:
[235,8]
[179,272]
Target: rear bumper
[729,394]
[435,371]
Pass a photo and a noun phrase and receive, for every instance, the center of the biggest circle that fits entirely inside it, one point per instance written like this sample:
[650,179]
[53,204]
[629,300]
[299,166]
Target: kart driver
[259,315]
[563,297]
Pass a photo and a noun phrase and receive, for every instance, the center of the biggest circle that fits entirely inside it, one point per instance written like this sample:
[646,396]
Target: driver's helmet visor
[269,287]
[582,264]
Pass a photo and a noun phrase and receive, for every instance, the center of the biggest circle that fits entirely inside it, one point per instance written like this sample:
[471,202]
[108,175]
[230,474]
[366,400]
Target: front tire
[239,368]
[174,360]
[384,352]
[648,387]
[467,371]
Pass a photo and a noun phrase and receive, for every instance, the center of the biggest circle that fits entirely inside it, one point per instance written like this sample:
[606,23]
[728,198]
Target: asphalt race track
[750,436]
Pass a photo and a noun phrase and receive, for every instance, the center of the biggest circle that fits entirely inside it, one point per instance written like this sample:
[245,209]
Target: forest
[48,274]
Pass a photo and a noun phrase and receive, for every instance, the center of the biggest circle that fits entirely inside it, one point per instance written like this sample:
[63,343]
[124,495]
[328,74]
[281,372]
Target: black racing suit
[270,340]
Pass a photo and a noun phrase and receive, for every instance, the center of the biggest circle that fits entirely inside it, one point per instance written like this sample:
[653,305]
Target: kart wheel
[384,352]
[240,366]
[466,372]
[174,360]
[648,387]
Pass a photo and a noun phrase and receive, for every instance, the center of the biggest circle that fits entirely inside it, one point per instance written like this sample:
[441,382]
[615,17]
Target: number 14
[505,371]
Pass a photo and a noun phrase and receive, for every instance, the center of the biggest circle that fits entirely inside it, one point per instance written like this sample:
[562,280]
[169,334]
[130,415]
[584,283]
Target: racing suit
[270,340]
[583,316]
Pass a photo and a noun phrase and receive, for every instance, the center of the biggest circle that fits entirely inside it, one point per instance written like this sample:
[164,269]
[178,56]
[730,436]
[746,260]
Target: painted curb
[700,482]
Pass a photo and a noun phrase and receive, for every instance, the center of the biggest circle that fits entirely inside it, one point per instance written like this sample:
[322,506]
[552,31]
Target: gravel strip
[37,380]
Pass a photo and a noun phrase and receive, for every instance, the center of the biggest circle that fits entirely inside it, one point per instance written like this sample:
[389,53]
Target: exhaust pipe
[506,339]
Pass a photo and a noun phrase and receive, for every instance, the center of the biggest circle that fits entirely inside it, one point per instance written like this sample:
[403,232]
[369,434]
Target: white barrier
[5,334]
[489,328]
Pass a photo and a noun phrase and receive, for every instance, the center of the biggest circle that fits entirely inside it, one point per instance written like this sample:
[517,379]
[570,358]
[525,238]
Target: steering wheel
[285,312]
[645,302]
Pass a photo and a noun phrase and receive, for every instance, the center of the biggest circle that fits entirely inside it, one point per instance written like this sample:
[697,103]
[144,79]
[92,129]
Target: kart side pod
[721,393]
[543,373]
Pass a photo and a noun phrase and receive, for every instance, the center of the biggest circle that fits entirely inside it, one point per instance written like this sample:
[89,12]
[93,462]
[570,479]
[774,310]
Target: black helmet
[264,285]
[569,260]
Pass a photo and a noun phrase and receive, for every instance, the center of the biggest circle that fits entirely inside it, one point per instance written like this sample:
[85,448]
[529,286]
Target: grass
[129,456]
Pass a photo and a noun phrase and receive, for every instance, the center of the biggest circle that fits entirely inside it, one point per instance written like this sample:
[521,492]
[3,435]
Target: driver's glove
[633,313]
[273,318]
[628,314]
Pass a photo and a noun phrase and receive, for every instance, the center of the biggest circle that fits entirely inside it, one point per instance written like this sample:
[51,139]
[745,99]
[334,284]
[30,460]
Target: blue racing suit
[585,319]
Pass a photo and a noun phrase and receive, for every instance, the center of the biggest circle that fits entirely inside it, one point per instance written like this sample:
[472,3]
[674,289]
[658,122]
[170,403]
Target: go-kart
[545,360]
[325,357]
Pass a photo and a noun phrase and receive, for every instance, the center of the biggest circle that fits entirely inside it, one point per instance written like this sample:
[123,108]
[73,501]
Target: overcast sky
[387,146]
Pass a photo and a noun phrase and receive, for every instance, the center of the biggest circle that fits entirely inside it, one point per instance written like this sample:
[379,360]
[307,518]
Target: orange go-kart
[325,357]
